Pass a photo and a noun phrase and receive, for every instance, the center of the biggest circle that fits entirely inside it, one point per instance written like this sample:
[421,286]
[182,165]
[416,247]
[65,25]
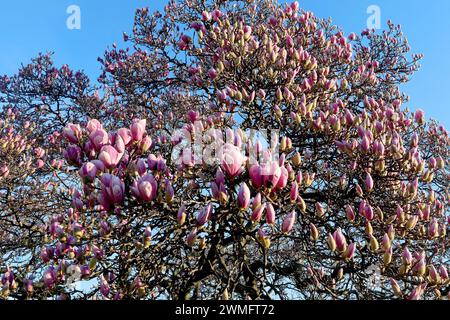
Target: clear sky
[32,26]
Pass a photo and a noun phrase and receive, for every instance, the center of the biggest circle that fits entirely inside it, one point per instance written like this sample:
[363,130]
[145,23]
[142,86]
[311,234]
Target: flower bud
[368,182]
[395,287]
[331,242]
[192,237]
[313,232]
[181,215]
[387,257]
[263,239]
[297,159]
[270,214]
[288,223]
[320,212]
[374,245]
[244,196]
[294,192]
[433,274]
[350,213]
[258,212]
[406,256]
[341,242]
[443,272]
[349,252]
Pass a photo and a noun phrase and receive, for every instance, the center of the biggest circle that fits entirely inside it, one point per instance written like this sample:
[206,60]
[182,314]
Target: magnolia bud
[369,228]
[406,256]
[297,159]
[258,212]
[433,274]
[288,222]
[270,214]
[368,182]
[387,257]
[263,239]
[331,242]
[349,252]
[181,216]
[294,192]
[391,232]
[244,196]
[350,213]
[313,232]
[395,287]
[374,245]
[302,204]
[192,237]
[320,212]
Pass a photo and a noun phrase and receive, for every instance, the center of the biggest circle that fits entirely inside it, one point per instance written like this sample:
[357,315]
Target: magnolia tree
[236,150]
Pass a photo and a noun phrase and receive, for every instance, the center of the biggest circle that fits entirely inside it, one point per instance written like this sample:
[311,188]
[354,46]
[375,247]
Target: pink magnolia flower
[368,212]
[232,160]
[320,211]
[76,200]
[72,132]
[138,129]
[256,201]
[255,176]
[49,277]
[386,242]
[28,286]
[72,154]
[146,144]
[99,138]
[88,171]
[419,116]
[40,163]
[331,242]
[145,189]
[365,144]
[113,191]
[216,15]
[395,287]
[272,173]
[125,134]
[39,152]
[94,125]
[433,273]
[206,16]
[109,156]
[193,115]
[212,73]
[119,145]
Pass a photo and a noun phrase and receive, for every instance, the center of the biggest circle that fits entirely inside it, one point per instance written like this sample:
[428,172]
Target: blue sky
[32,26]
